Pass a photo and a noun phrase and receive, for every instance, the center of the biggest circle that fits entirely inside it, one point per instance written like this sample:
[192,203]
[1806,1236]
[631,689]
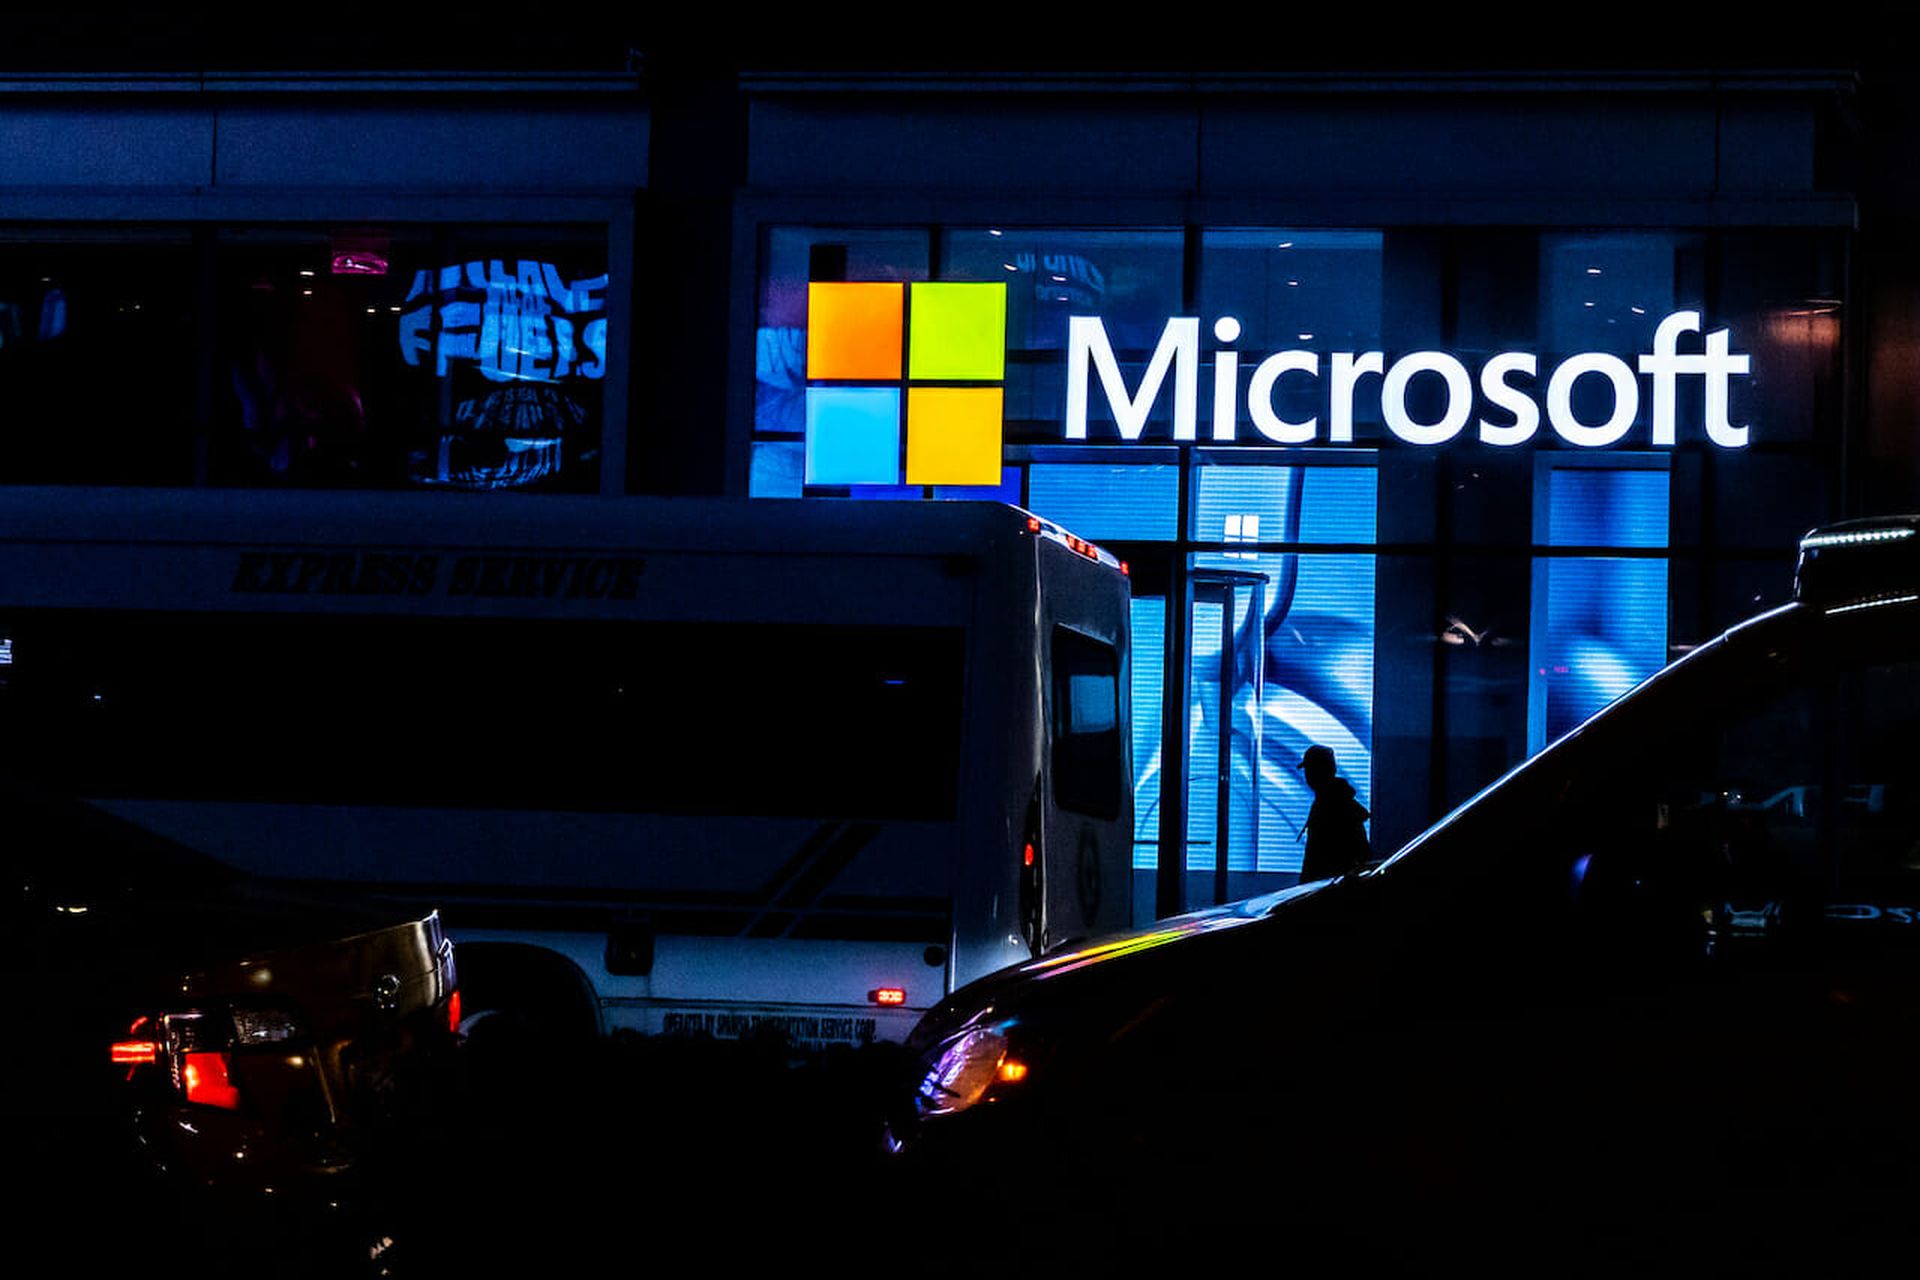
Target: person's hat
[1319,752]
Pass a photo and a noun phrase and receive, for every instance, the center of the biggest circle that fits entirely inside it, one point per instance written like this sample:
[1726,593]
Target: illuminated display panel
[1599,622]
[1107,502]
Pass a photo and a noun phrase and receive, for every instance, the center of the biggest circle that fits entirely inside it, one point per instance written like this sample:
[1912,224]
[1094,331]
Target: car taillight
[136,1051]
[195,1048]
[205,1079]
[453,1011]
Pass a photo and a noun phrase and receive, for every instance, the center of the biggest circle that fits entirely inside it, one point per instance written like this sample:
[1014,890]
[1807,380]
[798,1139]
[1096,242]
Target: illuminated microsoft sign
[1089,353]
[905,380]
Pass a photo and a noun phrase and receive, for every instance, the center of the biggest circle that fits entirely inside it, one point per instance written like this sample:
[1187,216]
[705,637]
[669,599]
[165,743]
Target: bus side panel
[999,762]
[746,918]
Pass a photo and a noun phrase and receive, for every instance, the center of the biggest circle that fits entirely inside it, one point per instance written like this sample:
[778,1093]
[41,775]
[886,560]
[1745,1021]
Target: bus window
[1086,724]
[638,717]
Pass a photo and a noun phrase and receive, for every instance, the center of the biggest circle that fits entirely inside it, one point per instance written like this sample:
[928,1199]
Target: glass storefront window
[1130,279]
[791,259]
[1493,586]
[97,357]
[465,358]
[1291,288]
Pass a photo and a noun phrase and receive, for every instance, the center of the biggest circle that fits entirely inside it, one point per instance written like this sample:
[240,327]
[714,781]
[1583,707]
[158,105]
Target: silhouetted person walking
[1336,831]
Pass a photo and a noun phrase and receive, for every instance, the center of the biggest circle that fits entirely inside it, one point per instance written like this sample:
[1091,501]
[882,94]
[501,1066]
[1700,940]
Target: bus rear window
[1087,764]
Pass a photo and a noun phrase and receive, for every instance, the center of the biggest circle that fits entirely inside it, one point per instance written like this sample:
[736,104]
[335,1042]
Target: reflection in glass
[460,359]
[794,257]
[1131,279]
[97,359]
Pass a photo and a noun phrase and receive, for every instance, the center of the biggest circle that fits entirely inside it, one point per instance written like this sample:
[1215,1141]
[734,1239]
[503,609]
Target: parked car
[180,1027]
[1669,965]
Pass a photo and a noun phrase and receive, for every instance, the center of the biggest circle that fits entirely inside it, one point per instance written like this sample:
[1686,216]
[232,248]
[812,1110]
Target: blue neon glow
[853,435]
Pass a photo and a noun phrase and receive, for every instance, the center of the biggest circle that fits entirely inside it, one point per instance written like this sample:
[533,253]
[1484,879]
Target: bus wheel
[520,999]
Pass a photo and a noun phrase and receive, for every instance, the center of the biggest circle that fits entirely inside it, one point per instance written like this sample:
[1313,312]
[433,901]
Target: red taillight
[453,1012]
[1123,570]
[888,995]
[134,1053]
[204,1079]
[1026,855]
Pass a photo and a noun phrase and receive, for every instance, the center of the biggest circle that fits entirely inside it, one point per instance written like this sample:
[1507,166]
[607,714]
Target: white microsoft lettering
[1179,346]
[1502,385]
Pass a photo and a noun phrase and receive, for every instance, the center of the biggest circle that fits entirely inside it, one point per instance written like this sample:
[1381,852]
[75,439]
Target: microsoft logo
[893,363]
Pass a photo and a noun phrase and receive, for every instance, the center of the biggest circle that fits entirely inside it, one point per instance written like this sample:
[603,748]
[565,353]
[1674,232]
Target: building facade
[1429,412]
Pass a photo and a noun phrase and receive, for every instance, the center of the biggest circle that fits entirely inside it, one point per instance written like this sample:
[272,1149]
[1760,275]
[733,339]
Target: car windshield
[1775,750]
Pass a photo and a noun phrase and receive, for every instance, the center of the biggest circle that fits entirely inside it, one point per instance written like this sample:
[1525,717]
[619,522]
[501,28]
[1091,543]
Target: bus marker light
[1012,1071]
[888,995]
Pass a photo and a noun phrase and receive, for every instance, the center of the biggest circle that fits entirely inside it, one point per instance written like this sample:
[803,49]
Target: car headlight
[972,1066]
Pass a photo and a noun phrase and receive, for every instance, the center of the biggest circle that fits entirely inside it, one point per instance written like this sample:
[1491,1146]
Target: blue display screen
[1300,670]
[1111,503]
[1604,507]
[1599,622]
[1600,627]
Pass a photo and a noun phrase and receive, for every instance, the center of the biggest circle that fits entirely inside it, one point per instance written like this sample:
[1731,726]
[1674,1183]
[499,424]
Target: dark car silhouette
[1666,969]
[188,1037]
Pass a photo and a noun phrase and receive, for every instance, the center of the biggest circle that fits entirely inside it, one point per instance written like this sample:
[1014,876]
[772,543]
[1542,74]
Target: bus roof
[445,520]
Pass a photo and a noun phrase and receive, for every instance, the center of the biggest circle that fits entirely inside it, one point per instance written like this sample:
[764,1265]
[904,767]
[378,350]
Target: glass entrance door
[1226,643]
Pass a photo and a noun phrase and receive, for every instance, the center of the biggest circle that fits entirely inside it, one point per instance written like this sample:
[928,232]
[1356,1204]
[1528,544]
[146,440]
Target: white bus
[673,765]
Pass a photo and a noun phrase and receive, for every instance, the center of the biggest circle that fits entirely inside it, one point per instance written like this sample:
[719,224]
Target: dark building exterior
[1431,409]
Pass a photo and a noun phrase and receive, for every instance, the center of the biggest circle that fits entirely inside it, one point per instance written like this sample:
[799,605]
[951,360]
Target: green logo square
[957,331]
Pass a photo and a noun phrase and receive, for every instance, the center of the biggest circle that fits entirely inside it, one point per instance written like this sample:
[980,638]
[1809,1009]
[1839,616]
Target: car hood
[1061,976]
[221,927]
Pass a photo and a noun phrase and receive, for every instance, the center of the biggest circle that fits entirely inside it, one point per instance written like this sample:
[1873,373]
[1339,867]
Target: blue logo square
[853,435]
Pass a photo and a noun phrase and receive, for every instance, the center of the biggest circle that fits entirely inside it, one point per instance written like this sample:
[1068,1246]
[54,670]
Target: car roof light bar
[1857,561]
